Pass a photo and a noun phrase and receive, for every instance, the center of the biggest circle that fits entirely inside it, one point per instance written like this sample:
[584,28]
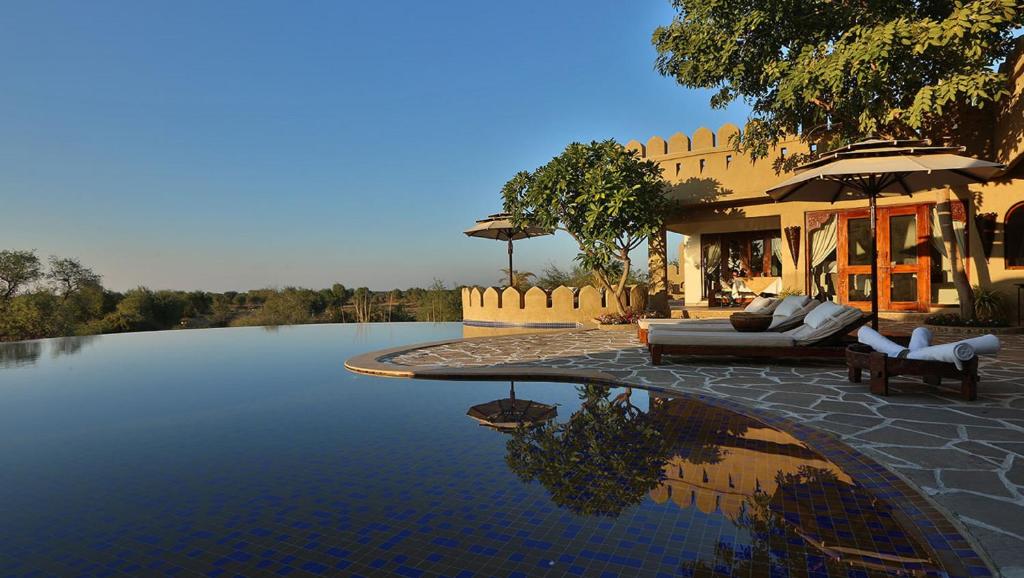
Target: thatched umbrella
[510,413]
[874,168]
[499,227]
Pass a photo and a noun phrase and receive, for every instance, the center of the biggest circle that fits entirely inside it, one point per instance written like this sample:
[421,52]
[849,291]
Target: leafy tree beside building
[607,198]
[835,72]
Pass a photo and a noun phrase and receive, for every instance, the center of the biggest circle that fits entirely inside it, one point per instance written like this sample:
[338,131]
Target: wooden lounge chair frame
[881,367]
[830,347]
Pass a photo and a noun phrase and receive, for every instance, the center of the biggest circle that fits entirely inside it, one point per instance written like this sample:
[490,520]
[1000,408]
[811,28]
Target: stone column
[657,265]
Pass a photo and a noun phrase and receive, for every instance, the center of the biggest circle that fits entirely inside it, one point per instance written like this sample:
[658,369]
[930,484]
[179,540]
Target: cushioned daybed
[822,334]
[786,314]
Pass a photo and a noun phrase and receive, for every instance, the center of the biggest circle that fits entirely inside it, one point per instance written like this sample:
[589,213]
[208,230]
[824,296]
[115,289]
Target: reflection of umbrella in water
[500,228]
[510,413]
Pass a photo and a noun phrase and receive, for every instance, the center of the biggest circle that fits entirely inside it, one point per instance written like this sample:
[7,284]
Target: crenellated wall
[706,168]
[565,305]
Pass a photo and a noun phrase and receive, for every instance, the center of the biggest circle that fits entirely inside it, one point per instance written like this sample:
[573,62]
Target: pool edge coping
[371,363]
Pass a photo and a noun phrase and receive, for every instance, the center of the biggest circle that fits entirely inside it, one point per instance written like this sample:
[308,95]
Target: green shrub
[988,304]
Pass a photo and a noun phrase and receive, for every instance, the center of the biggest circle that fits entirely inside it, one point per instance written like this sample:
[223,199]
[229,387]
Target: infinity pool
[252,452]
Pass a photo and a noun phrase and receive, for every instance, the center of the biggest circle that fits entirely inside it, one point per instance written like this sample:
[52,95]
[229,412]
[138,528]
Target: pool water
[252,452]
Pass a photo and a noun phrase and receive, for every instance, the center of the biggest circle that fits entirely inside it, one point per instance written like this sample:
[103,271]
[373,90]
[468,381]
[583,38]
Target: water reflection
[25,353]
[63,346]
[511,412]
[20,353]
[605,458]
[795,511]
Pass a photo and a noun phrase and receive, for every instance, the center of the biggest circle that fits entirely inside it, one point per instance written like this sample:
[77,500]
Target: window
[813,148]
[702,165]
[742,254]
[679,168]
[1013,235]
[728,160]
[783,152]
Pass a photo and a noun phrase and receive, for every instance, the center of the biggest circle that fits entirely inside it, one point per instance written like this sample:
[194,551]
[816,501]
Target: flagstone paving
[968,456]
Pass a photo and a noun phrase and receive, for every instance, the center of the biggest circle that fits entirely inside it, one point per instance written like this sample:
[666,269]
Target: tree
[520,279]
[17,270]
[835,72]
[362,301]
[289,306]
[438,303]
[69,276]
[135,312]
[605,197]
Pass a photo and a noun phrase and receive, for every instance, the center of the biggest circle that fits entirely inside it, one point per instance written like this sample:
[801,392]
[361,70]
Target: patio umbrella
[874,168]
[499,227]
[510,413]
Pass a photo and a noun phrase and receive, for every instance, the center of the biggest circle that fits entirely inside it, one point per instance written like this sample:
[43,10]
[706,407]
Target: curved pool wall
[940,532]
[252,452]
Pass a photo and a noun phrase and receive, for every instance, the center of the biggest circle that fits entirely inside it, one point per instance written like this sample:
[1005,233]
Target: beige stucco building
[734,230]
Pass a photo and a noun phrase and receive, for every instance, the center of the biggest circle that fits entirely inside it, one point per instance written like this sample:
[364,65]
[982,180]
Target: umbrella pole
[874,261]
[510,262]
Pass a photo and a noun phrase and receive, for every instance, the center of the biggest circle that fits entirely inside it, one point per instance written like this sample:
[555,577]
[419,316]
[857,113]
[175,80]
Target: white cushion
[805,334]
[822,313]
[790,305]
[757,304]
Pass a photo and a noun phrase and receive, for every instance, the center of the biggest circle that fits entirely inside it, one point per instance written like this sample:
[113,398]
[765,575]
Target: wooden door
[903,259]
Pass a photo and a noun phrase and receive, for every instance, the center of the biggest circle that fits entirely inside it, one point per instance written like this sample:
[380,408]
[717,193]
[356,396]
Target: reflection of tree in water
[792,535]
[604,459]
[20,353]
[69,345]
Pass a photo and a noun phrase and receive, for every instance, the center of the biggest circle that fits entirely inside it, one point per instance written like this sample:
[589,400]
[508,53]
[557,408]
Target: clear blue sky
[244,144]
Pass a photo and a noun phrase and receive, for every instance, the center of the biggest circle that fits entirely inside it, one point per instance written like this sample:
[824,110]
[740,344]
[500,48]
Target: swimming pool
[252,452]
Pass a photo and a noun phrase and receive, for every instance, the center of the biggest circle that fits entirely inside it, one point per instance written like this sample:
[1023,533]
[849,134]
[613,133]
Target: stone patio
[967,456]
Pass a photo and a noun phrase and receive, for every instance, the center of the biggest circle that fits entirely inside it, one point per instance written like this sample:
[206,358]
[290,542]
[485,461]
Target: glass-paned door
[903,241]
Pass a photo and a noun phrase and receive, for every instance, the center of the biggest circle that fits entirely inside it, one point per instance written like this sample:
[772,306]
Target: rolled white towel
[984,344]
[879,342]
[920,338]
[955,353]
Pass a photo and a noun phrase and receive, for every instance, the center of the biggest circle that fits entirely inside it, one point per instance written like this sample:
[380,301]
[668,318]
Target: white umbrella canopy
[873,168]
[499,227]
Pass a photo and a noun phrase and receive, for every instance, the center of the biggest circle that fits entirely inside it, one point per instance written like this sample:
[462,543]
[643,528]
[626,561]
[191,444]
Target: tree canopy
[17,270]
[607,198]
[838,70]
[69,276]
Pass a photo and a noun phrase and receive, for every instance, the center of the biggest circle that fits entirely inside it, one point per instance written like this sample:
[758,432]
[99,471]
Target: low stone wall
[564,305]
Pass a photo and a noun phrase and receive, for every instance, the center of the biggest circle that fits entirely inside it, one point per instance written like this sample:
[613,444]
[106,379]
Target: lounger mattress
[648,323]
[719,338]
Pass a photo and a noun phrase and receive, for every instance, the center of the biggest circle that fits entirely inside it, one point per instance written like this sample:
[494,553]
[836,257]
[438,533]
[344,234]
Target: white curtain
[959,231]
[823,257]
[776,256]
[823,243]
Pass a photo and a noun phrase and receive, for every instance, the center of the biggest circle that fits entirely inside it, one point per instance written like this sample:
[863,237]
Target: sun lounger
[822,334]
[786,314]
